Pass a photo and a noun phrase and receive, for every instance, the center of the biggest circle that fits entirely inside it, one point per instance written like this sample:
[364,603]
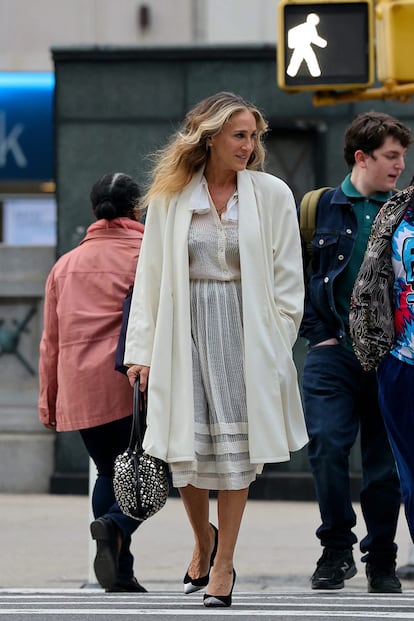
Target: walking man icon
[300,40]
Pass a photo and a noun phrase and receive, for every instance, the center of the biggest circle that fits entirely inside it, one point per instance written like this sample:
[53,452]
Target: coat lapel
[250,242]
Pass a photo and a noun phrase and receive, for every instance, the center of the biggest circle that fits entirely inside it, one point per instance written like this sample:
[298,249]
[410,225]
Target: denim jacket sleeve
[332,245]
[313,328]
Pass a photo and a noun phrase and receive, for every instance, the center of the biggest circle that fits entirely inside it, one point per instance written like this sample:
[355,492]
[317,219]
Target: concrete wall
[27,450]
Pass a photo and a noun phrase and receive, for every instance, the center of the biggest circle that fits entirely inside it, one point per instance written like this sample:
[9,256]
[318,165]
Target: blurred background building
[29,29]
[91,86]
[28,212]
[28,32]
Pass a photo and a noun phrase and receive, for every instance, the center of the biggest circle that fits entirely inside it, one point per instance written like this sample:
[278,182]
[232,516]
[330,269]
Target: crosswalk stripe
[164,613]
[173,605]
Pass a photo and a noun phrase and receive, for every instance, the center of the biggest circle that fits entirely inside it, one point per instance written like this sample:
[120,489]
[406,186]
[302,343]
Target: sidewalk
[45,543]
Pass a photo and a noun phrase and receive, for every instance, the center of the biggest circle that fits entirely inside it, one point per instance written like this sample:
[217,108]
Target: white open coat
[272,290]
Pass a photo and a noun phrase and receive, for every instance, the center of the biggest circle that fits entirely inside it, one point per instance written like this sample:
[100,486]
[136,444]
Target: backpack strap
[307,215]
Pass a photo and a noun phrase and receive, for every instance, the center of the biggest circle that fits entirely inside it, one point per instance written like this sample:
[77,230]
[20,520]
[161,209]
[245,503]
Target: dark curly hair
[115,195]
[368,132]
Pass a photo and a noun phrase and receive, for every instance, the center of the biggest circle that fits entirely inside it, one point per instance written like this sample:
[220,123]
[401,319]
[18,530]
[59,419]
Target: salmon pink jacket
[78,386]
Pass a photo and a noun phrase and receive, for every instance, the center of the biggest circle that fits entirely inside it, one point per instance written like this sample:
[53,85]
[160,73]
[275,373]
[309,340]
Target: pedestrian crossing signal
[395,40]
[326,45]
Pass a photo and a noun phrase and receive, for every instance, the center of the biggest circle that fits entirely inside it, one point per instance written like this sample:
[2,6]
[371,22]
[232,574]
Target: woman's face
[232,147]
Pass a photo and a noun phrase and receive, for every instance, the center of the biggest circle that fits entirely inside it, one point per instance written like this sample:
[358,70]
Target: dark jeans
[103,444]
[394,380]
[340,399]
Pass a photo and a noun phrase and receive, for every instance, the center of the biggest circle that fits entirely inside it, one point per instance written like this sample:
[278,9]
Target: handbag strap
[139,417]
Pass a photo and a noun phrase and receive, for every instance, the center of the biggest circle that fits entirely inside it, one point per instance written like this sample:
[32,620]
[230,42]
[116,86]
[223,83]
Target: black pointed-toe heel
[191,585]
[219,601]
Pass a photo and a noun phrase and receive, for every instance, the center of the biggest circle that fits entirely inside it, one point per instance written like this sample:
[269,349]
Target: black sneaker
[333,568]
[382,578]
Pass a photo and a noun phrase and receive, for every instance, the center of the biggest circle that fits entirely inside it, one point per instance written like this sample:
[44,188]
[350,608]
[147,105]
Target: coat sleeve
[49,354]
[145,299]
[287,262]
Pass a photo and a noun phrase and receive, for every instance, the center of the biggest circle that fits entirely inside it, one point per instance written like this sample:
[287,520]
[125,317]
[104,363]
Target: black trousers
[103,444]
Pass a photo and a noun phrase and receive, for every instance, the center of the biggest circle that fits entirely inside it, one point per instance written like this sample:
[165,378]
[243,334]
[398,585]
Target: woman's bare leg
[196,504]
[230,507]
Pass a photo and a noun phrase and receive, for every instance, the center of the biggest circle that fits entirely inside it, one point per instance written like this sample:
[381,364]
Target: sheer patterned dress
[221,441]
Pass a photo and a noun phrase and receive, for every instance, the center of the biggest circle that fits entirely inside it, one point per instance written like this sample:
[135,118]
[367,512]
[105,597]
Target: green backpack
[307,215]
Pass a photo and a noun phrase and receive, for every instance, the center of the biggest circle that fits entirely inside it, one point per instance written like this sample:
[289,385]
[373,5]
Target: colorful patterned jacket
[371,315]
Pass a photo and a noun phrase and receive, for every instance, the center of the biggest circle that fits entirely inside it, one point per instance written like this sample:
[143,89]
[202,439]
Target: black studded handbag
[141,482]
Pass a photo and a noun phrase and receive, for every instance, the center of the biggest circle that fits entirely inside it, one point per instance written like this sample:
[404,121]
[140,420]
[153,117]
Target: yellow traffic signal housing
[325,45]
[395,40]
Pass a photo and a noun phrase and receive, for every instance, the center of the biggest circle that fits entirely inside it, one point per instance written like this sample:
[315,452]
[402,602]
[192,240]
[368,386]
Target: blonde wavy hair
[187,151]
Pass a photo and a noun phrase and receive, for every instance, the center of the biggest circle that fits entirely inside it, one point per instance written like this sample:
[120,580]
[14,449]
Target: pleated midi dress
[221,441]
